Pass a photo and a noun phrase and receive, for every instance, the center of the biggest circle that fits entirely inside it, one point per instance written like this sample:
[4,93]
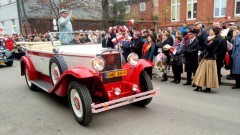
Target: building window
[142,6]
[175,10]
[127,9]
[220,8]
[191,9]
[14,28]
[237,5]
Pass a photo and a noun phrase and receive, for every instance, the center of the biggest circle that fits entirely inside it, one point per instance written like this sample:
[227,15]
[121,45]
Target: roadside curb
[223,82]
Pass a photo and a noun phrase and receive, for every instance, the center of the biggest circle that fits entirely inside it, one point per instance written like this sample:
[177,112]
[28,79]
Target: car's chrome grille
[113,62]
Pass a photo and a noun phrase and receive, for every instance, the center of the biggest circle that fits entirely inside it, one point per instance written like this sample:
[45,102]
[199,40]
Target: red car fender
[81,74]
[134,72]
[26,61]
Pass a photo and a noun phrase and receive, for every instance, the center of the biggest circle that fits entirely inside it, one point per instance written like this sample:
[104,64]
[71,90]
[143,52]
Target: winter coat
[137,45]
[176,56]
[221,51]
[126,48]
[211,49]
[236,56]
[190,51]
[65,25]
[202,38]
[110,44]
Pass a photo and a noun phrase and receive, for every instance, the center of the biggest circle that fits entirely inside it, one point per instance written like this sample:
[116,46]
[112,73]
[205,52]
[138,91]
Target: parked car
[94,79]
[6,57]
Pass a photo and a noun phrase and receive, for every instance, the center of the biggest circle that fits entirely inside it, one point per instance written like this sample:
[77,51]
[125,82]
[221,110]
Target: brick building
[177,12]
[144,12]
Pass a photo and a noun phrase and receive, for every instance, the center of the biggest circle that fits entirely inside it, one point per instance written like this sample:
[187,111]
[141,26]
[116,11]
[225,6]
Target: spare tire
[57,66]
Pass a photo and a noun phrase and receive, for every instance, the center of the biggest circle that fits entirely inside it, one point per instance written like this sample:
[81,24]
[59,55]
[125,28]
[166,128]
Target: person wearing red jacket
[9,43]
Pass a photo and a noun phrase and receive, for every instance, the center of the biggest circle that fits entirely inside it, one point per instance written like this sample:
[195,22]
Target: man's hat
[63,11]
[231,23]
[193,31]
[197,23]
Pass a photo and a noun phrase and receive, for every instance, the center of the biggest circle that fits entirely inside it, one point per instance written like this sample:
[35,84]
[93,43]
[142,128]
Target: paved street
[176,109]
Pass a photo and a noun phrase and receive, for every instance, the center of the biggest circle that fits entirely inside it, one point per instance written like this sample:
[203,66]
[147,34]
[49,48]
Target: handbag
[227,62]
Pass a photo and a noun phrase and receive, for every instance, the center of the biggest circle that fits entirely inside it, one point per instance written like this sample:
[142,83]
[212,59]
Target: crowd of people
[199,52]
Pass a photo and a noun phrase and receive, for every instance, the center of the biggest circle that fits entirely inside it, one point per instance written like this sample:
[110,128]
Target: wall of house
[205,13]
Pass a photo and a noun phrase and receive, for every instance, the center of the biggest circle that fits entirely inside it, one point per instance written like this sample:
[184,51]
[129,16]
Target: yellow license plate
[116,73]
[2,63]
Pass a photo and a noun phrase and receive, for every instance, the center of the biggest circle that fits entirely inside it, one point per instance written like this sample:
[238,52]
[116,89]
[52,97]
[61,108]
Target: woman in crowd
[148,49]
[206,74]
[165,41]
[176,59]
[236,58]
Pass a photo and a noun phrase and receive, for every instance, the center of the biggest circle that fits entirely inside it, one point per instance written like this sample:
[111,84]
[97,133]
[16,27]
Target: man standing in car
[65,25]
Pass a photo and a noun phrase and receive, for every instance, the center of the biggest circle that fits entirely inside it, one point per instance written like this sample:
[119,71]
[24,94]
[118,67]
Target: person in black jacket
[110,36]
[190,51]
[206,74]
[176,59]
[221,53]
[202,36]
[137,44]
[165,41]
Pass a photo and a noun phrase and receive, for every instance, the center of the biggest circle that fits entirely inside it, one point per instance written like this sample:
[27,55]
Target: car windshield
[75,38]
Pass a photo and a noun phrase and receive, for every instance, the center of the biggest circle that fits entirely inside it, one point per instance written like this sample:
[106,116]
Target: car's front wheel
[80,102]
[9,63]
[145,85]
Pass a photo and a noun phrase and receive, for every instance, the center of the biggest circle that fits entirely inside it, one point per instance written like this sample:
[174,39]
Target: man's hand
[70,13]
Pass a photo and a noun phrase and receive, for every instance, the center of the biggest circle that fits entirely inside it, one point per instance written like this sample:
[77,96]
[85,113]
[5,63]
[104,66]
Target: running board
[96,108]
[46,86]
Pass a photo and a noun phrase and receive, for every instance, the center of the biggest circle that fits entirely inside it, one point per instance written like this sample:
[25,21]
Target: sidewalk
[223,71]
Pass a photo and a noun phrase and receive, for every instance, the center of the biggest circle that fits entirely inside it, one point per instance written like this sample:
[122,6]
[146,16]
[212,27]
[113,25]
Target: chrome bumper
[96,108]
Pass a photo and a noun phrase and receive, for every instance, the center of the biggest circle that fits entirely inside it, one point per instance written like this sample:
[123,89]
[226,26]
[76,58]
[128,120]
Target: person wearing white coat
[65,25]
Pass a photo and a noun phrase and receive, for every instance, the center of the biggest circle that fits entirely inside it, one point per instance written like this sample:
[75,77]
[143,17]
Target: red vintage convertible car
[94,79]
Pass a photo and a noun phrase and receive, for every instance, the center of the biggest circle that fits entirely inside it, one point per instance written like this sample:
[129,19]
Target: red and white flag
[124,28]
[1,29]
[131,22]
[120,38]
[114,40]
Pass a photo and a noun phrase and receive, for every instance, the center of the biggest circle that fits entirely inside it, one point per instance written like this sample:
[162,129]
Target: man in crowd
[221,52]
[190,51]
[65,25]
[137,44]
[202,36]
[111,35]
[229,38]
[76,39]
[171,36]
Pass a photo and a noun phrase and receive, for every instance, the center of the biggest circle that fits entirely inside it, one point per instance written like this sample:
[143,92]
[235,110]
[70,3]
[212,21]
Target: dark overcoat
[190,51]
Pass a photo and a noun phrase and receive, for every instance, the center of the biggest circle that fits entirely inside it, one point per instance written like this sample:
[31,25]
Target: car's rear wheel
[30,85]
[80,102]
[145,85]
[9,63]
[56,67]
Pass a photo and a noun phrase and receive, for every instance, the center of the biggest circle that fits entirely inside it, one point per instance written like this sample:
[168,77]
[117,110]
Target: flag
[120,37]
[131,22]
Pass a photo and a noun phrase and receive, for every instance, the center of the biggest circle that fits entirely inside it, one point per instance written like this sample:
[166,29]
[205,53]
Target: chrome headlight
[133,59]
[98,63]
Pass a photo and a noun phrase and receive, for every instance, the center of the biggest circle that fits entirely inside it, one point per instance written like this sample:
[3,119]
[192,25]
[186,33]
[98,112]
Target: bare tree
[91,7]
